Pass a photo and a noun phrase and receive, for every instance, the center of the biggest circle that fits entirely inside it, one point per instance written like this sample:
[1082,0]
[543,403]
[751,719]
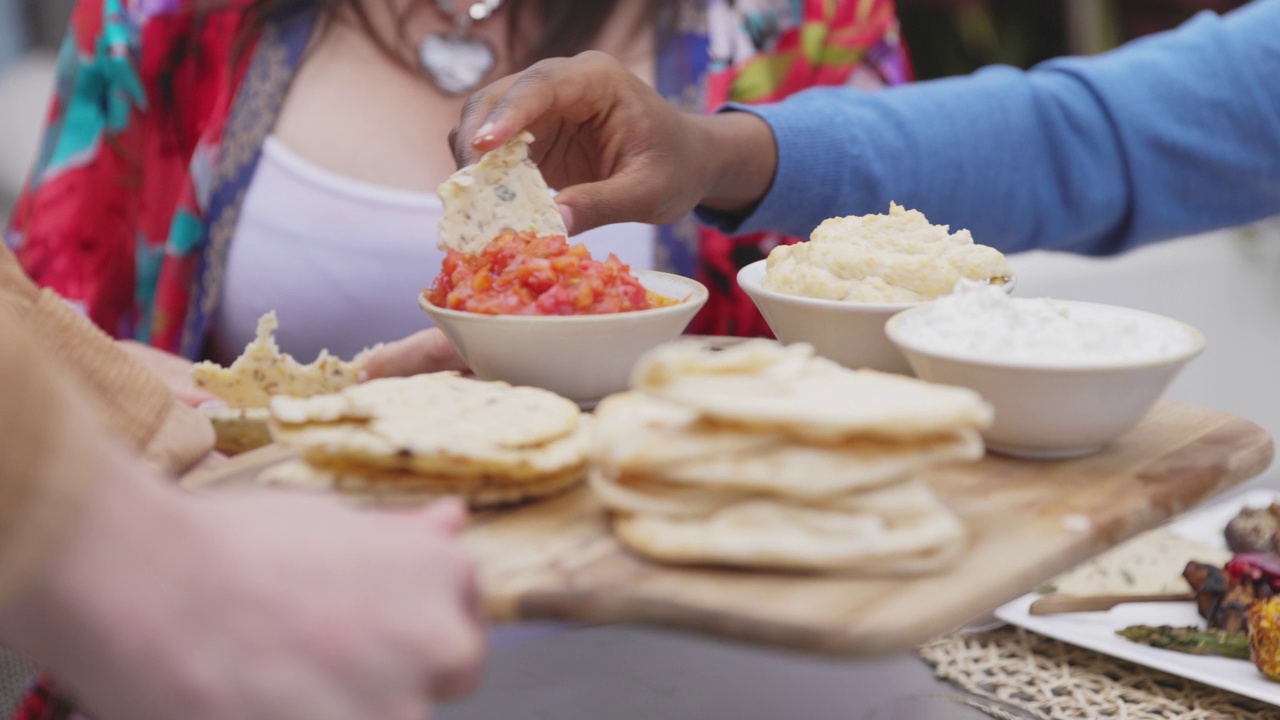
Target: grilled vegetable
[1254,530]
[1190,640]
[1264,635]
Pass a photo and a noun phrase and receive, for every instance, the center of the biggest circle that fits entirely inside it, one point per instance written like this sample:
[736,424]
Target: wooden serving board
[1030,520]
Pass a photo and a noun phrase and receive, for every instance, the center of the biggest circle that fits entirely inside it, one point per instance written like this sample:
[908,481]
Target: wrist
[742,156]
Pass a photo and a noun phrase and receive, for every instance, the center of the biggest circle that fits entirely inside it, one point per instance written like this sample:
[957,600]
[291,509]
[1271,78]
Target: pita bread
[384,487]
[788,390]
[768,534]
[658,498]
[643,436]
[262,372]
[503,191]
[639,495]
[438,424]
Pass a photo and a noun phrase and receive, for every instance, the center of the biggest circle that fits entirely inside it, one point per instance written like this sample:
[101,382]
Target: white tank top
[342,261]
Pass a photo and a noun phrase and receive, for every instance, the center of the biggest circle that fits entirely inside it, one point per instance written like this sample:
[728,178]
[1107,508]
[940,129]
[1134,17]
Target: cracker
[640,435]
[379,486]
[262,372]
[503,191]
[440,424]
[788,390]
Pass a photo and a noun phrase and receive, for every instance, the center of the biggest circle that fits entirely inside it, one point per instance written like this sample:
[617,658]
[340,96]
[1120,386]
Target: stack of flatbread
[433,435]
[259,374]
[764,456]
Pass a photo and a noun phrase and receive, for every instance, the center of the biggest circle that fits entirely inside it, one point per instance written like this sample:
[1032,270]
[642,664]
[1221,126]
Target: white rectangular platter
[1097,630]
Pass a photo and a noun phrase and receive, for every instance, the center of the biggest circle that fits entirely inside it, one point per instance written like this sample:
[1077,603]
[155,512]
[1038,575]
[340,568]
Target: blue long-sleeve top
[1170,135]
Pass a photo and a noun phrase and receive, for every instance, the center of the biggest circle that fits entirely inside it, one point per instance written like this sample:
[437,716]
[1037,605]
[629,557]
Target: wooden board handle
[1053,604]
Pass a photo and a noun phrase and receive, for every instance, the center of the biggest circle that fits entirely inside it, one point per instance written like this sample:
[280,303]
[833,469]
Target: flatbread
[789,390]
[503,191]
[643,436]
[439,424]
[644,496]
[1149,564]
[767,534]
[239,430]
[478,491]
[262,372]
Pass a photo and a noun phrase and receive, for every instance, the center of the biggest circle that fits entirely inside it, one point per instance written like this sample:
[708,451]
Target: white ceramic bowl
[850,333]
[1058,410]
[582,357]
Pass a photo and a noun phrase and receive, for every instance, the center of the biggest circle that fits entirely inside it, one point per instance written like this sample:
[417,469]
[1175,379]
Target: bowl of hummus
[837,290]
[535,310]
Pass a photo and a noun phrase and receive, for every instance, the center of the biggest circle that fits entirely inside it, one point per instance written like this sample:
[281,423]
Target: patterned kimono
[157,124]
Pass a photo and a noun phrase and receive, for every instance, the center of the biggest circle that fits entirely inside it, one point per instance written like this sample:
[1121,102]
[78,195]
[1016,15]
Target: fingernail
[566,214]
[484,134]
[362,376]
[211,406]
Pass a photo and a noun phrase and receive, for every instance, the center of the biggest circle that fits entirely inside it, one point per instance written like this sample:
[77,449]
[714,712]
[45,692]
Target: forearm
[743,156]
[44,471]
[1173,135]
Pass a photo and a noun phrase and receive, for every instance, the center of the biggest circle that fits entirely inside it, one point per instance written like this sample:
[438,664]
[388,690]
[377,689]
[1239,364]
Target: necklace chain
[475,12]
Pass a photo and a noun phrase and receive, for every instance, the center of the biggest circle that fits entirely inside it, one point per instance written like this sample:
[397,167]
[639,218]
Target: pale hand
[254,607]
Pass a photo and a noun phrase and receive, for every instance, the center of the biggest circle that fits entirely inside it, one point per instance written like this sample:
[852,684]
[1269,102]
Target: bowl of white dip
[850,333]
[1065,377]
[836,291]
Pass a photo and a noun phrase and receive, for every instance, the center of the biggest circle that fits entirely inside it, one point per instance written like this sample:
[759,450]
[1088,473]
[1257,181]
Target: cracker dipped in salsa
[527,274]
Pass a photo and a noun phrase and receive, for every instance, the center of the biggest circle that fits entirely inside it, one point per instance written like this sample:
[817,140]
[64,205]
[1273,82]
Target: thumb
[613,200]
[425,351]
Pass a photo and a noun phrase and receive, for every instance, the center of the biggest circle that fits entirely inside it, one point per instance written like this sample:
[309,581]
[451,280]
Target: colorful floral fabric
[761,51]
[110,218]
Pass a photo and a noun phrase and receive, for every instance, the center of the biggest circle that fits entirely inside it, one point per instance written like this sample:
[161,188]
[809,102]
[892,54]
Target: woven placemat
[1052,680]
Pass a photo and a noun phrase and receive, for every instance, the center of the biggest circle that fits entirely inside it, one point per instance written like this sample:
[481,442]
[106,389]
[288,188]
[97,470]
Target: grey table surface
[628,673]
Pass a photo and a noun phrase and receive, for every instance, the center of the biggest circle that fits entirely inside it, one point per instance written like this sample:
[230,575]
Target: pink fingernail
[485,133]
[362,376]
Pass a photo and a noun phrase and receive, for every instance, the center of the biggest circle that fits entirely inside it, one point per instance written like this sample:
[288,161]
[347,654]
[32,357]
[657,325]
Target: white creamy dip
[983,322]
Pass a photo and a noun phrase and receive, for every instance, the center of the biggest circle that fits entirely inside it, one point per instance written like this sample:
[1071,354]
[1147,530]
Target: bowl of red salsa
[537,310]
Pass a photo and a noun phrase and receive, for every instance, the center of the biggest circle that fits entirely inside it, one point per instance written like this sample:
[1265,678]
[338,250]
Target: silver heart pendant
[456,63]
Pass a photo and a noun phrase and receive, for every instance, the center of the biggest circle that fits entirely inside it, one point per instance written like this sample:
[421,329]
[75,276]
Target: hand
[422,352]
[175,371]
[256,606]
[615,149]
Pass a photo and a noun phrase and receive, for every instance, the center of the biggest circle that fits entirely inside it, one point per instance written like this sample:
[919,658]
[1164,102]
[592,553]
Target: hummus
[899,257]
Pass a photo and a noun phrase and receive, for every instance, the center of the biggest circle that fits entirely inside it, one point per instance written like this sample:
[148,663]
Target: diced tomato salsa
[525,274]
